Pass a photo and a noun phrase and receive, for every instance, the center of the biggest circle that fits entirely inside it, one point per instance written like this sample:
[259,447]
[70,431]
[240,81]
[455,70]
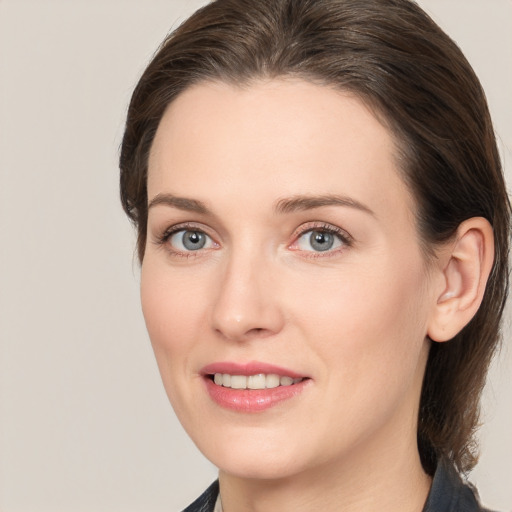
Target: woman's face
[282,251]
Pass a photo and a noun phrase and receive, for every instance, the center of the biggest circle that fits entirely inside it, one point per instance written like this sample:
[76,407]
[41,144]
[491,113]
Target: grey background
[84,421]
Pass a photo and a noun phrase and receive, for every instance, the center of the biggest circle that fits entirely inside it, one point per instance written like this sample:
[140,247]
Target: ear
[464,267]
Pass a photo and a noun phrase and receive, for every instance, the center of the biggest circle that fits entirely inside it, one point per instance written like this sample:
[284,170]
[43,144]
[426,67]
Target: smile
[252,387]
[258,381]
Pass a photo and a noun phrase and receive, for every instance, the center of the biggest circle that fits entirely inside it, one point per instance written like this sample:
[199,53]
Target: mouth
[258,381]
[251,387]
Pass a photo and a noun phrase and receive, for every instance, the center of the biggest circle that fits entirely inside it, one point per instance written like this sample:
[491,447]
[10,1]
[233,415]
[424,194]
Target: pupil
[194,240]
[321,241]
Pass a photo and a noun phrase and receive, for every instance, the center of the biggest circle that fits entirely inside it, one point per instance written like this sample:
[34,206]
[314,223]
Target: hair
[391,55]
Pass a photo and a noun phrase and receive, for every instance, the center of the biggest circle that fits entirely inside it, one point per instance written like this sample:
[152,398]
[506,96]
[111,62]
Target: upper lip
[249,368]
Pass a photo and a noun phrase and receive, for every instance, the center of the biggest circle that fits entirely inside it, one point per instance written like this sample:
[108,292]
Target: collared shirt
[447,494]
[218,505]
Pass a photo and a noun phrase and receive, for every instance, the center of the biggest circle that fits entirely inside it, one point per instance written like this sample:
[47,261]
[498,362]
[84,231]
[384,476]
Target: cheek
[171,306]
[370,341]
[173,311]
[369,322]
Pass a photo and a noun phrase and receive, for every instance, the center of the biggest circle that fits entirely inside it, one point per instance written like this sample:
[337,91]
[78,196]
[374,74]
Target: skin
[353,319]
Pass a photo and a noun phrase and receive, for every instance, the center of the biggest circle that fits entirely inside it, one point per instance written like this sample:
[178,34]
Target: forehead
[274,137]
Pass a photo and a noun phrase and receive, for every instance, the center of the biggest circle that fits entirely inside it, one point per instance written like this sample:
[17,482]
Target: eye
[320,239]
[186,240]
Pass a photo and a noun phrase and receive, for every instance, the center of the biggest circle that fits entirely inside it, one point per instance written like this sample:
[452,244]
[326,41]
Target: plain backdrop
[84,421]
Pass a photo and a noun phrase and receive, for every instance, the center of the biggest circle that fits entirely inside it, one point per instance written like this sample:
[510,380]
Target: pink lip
[250,400]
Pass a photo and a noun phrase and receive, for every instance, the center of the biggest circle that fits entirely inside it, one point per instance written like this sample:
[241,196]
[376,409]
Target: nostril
[258,332]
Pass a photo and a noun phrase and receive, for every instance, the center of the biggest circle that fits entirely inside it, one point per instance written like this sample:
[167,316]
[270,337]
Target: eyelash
[344,237]
[164,238]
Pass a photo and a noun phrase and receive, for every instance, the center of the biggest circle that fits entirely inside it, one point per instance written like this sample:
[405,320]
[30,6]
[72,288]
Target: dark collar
[447,494]
[205,502]
[450,494]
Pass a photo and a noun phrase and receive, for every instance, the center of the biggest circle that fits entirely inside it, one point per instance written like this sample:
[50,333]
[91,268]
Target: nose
[247,303]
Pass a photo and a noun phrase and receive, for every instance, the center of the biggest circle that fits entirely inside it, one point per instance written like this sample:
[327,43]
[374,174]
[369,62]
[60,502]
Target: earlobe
[464,271]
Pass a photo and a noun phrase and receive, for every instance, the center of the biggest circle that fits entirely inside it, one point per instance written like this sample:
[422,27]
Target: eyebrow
[182,203]
[282,206]
[307,202]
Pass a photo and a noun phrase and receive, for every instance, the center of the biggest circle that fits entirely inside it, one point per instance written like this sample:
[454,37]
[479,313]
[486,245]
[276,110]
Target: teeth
[286,381]
[256,381]
[259,381]
[238,382]
[272,381]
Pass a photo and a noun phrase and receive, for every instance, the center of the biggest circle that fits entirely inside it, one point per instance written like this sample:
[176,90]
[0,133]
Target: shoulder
[449,493]
[205,502]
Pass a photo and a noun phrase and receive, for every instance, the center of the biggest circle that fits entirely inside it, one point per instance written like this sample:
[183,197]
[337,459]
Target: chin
[258,467]
[255,455]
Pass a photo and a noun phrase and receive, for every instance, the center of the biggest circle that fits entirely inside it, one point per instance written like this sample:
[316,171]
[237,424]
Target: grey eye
[319,241]
[188,240]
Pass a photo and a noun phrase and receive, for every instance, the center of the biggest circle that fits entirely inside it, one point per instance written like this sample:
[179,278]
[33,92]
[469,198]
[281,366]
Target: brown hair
[397,60]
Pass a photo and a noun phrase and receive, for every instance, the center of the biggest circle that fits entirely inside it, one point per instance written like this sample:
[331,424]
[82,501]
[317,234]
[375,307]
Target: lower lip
[252,400]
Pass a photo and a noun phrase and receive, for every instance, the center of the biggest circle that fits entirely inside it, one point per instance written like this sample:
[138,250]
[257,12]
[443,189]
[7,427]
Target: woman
[323,229]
